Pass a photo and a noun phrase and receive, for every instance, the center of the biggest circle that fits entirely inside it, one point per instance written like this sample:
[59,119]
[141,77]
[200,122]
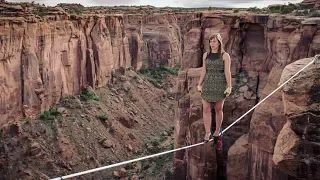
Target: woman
[214,83]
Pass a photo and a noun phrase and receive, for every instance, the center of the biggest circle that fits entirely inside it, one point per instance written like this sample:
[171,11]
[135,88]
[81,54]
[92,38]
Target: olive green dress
[214,83]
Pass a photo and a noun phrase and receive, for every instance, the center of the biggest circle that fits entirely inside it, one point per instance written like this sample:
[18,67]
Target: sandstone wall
[297,146]
[311,3]
[44,59]
[260,46]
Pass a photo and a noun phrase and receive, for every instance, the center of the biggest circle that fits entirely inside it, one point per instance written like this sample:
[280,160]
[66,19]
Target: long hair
[219,38]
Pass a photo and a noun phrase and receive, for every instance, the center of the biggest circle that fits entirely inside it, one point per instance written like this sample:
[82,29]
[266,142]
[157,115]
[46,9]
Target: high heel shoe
[205,140]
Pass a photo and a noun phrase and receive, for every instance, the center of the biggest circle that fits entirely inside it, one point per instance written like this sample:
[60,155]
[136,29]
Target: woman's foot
[216,133]
[207,137]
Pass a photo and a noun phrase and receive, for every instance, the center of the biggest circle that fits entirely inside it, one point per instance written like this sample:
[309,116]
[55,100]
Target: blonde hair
[219,38]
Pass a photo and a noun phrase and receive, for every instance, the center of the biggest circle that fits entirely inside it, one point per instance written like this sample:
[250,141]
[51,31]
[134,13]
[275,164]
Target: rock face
[311,3]
[266,123]
[162,39]
[297,147]
[52,54]
[45,58]
[260,47]
[238,159]
[42,62]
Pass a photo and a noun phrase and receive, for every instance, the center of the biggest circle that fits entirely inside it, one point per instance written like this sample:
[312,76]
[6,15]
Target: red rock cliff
[311,3]
[260,46]
[44,59]
[297,147]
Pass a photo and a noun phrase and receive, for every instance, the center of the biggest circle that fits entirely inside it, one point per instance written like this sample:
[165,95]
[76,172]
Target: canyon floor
[127,119]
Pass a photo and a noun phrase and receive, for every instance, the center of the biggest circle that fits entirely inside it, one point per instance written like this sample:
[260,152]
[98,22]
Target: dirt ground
[127,119]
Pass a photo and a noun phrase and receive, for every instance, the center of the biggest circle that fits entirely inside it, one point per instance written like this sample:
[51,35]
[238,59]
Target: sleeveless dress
[214,83]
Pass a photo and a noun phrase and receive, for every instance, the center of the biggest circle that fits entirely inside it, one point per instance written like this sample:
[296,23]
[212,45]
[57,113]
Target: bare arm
[203,71]
[227,68]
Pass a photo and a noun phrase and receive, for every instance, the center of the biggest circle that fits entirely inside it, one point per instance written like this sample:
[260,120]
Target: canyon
[49,56]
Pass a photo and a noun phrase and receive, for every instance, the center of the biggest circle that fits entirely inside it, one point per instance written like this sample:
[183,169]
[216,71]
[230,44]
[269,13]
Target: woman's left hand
[227,92]
[199,88]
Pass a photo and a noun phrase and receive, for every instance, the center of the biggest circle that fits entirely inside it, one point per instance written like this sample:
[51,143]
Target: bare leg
[207,118]
[218,106]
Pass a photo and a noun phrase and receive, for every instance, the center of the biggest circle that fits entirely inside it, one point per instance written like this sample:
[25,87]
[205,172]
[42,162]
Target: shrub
[155,76]
[86,96]
[50,114]
[283,9]
[102,117]
[254,9]
[72,8]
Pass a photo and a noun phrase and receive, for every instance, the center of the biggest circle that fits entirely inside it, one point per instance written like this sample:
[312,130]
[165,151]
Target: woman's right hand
[199,88]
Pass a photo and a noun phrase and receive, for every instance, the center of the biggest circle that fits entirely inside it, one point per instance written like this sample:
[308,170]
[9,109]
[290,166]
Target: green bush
[168,174]
[172,71]
[171,145]
[50,114]
[131,165]
[86,96]
[40,11]
[275,9]
[254,9]
[287,9]
[124,89]
[72,8]
[155,143]
[155,76]
[102,117]
[283,9]
[162,159]
[236,11]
